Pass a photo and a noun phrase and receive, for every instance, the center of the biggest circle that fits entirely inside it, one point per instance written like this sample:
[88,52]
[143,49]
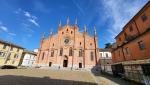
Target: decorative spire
[76,22]
[60,23]
[95,31]
[68,21]
[85,29]
[43,35]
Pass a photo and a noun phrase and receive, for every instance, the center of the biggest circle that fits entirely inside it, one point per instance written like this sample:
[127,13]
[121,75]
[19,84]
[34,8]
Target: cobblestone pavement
[55,77]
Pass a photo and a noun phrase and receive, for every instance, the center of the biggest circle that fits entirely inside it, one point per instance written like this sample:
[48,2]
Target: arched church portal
[65,62]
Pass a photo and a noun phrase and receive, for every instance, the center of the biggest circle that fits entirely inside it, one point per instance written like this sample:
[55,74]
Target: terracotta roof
[105,49]
[145,6]
[9,43]
[31,52]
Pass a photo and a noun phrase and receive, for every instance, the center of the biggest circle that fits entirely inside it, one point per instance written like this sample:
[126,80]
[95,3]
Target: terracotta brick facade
[131,55]
[68,48]
[134,32]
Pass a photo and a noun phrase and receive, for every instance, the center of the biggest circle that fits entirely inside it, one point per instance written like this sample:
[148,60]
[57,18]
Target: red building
[131,56]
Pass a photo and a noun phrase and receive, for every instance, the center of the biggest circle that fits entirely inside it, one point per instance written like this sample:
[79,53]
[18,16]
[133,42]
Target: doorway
[50,63]
[80,65]
[65,63]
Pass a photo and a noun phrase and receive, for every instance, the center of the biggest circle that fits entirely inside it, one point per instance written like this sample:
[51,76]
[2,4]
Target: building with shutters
[10,54]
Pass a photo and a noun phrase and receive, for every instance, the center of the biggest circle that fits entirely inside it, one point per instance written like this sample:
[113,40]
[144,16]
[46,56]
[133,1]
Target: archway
[65,62]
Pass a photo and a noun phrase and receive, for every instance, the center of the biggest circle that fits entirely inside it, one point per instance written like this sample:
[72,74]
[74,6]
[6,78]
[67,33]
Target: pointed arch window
[61,51]
[80,53]
[52,53]
[43,55]
[70,52]
[92,56]
[80,43]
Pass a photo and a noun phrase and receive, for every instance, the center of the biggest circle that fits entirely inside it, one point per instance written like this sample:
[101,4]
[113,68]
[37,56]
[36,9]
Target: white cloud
[3,28]
[31,18]
[34,22]
[13,34]
[119,12]
[27,14]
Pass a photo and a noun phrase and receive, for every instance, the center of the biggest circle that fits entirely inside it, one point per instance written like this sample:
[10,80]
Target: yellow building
[10,54]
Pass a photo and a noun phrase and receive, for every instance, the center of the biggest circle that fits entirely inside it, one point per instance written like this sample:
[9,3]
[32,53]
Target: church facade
[69,48]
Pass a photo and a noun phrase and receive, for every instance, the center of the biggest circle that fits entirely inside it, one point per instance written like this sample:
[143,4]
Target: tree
[108,45]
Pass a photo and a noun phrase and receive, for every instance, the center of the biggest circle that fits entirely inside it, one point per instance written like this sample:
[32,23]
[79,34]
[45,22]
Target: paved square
[55,77]
[45,77]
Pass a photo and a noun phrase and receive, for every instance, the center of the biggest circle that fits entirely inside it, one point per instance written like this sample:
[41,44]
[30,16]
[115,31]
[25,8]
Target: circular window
[66,41]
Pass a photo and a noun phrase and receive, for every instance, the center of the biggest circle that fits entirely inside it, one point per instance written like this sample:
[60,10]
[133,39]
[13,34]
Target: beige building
[68,48]
[10,54]
[106,60]
[28,58]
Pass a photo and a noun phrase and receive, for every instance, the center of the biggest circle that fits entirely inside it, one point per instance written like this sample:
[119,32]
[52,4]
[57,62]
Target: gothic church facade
[69,48]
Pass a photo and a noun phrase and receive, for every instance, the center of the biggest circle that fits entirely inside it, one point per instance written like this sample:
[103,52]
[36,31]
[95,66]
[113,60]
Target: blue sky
[23,21]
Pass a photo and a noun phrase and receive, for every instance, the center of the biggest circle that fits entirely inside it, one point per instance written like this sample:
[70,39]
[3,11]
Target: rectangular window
[125,35]
[11,49]
[18,50]
[4,54]
[106,55]
[130,28]
[15,56]
[4,47]
[144,18]
[101,54]
[8,58]
[141,45]
[119,39]
[127,50]
[119,53]
[1,54]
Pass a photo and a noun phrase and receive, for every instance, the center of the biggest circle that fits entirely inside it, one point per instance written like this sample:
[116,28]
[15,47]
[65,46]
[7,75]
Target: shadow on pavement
[24,80]
[119,81]
[96,71]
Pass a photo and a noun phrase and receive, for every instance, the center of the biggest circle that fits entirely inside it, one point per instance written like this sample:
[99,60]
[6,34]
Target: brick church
[68,48]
